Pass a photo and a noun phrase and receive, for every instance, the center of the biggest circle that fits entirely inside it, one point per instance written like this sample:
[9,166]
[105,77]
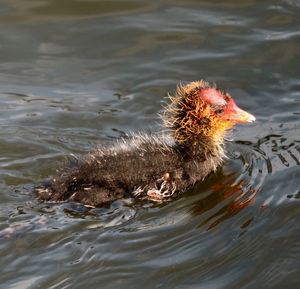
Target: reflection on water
[234,197]
[55,10]
[74,74]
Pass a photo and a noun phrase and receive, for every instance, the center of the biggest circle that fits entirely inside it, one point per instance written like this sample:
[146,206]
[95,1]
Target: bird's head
[202,111]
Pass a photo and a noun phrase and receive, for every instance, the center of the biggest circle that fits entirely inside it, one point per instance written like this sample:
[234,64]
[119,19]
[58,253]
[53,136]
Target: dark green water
[74,74]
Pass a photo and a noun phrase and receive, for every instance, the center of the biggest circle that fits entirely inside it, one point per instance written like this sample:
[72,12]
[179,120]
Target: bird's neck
[203,147]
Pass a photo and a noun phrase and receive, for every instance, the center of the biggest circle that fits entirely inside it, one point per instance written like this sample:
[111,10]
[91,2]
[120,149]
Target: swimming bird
[157,166]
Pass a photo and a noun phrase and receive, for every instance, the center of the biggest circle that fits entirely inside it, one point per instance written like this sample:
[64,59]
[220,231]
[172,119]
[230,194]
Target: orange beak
[237,115]
[241,116]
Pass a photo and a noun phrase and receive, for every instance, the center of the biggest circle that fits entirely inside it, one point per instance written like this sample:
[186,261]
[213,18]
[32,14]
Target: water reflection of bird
[227,196]
[156,166]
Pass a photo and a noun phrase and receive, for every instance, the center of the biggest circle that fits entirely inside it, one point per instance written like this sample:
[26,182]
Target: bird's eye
[227,97]
[219,111]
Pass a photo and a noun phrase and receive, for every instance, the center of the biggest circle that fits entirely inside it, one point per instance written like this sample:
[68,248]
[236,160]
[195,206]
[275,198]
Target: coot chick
[155,166]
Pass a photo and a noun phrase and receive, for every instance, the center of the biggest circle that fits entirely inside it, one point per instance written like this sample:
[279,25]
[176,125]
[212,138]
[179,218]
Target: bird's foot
[165,192]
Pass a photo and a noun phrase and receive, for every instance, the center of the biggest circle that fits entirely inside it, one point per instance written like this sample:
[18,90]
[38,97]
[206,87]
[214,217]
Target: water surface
[74,74]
